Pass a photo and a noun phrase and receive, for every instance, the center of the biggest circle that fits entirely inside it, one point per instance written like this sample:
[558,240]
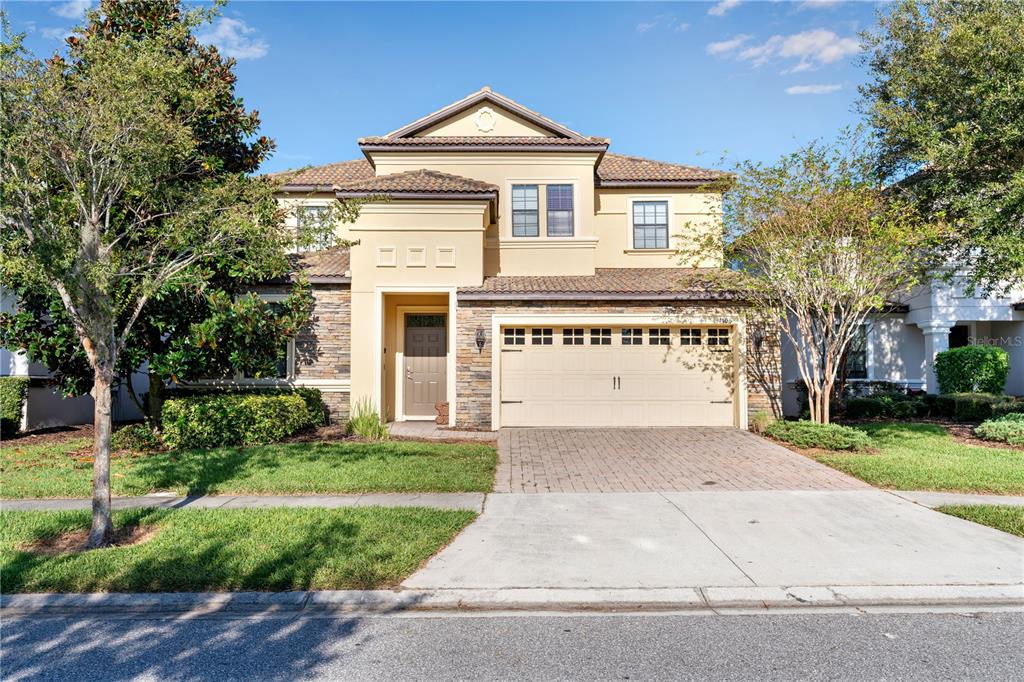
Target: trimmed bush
[1006,429]
[255,418]
[136,438]
[972,369]
[365,422]
[805,434]
[13,391]
[887,406]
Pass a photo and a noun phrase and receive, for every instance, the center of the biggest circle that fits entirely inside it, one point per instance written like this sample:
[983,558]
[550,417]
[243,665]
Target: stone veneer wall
[323,346]
[473,367]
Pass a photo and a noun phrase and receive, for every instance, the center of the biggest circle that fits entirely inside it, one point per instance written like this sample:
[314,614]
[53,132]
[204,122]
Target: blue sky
[688,82]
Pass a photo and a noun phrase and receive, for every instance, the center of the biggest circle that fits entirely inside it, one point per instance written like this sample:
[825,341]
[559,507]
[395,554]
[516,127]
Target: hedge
[972,369]
[249,418]
[887,406]
[13,391]
[806,434]
[1006,429]
[975,407]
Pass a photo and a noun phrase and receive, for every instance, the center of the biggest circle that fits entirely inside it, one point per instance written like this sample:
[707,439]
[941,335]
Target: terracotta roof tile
[484,141]
[329,175]
[422,181]
[621,283]
[617,168]
[327,265]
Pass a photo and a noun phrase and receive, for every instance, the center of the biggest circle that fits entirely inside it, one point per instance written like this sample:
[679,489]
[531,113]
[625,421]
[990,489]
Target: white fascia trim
[735,320]
[439,160]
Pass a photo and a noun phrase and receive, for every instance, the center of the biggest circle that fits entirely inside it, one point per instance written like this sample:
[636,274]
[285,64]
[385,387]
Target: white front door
[618,376]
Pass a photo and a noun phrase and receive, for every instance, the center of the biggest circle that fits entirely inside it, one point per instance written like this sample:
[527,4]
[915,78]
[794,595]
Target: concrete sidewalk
[756,539]
[470,501]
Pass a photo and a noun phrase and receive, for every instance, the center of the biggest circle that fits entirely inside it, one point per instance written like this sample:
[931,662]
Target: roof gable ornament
[493,100]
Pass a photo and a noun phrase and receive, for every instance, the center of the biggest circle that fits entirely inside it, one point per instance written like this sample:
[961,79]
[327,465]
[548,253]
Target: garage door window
[719,337]
[572,337]
[632,337]
[689,336]
[542,337]
[659,337]
[600,337]
[515,337]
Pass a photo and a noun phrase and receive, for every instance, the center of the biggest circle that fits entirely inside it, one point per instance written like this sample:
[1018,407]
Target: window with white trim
[310,232]
[857,354]
[659,337]
[572,337]
[650,224]
[515,336]
[600,337]
[689,336]
[560,210]
[719,337]
[525,211]
[632,337]
[542,337]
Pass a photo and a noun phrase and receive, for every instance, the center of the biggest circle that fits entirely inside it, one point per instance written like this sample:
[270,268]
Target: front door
[426,364]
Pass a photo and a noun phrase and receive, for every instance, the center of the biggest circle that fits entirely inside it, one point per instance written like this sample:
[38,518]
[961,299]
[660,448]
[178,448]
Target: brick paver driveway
[654,460]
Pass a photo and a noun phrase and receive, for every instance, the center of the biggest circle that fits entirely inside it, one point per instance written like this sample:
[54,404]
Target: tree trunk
[102,525]
[155,399]
[826,403]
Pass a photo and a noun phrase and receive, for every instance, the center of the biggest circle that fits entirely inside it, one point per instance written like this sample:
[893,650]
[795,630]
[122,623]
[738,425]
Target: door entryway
[426,360]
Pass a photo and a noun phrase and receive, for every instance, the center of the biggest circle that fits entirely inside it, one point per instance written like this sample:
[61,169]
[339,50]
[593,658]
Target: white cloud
[55,32]
[723,7]
[234,38]
[645,26]
[810,48]
[72,9]
[668,21]
[819,89]
[729,45]
[815,4]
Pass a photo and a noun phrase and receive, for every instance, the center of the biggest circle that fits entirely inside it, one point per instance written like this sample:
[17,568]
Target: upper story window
[650,224]
[525,211]
[311,232]
[560,218]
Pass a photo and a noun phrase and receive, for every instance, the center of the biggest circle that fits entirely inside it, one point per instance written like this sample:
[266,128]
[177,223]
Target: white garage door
[618,376]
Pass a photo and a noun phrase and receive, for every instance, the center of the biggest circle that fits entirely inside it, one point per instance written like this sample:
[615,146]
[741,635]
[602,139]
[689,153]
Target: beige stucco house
[525,275]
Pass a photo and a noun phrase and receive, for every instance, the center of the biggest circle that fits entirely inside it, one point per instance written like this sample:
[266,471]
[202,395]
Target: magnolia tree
[94,208]
[822,247]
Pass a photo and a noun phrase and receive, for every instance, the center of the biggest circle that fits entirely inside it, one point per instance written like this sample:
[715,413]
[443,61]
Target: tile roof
[617,169]
[327,266]
[422,181]
[327,176]
[613,283]
[483,141]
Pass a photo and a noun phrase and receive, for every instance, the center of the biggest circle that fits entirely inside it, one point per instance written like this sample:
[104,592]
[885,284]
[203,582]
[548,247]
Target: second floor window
[312,233]
[560,217]
[650,224]
[525,211]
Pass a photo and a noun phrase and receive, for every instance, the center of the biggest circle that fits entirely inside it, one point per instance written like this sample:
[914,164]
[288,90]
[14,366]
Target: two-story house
[523,274]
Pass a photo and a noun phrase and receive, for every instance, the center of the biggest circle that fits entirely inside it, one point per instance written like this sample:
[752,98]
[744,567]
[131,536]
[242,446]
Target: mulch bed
[73,542]
[57,434]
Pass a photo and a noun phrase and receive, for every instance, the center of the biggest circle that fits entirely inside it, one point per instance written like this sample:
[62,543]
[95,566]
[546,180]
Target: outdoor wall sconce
[758,340]
[481,340]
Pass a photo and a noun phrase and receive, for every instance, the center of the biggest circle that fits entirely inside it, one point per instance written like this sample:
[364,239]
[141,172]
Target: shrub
[253,418]
[972,369]
[888,406]
[13,391]
[1008,406]
[137,438]
[365,421]
[805,434]
[1006,429]
[761,420]
[972,407]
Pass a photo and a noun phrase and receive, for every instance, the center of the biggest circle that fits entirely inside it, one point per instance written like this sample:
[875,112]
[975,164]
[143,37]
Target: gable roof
[484,94]
[416,184]
[325,178]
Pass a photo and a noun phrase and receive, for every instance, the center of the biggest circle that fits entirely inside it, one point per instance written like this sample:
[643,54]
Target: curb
[370,602]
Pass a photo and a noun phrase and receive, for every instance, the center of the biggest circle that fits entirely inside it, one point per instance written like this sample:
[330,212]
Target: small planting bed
[238,549]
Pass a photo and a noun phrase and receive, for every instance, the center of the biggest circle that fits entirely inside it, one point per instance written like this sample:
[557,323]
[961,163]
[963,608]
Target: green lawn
[1008,519]
[51,470]
[924,457]
[237,549]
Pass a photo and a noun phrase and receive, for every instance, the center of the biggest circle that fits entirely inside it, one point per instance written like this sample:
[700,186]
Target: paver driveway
[654,460]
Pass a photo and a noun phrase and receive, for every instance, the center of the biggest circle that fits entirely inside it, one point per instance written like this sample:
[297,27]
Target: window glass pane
[541,337]
[857,355]
[659,337]
[718,337]
[600,337]
[572,337]
[689,336]
[525,211]
[515,336]
[632,337]
[650,224]
[560,210]
[281,362]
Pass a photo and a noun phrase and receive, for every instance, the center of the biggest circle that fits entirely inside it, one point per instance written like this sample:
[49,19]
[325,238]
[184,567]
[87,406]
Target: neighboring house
[900,346]
[526,276]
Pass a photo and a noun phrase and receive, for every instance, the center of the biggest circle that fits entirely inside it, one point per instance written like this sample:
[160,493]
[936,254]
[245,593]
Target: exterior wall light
[481,340]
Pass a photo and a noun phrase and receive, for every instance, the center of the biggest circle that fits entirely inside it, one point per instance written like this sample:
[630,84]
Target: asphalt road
[987,646]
